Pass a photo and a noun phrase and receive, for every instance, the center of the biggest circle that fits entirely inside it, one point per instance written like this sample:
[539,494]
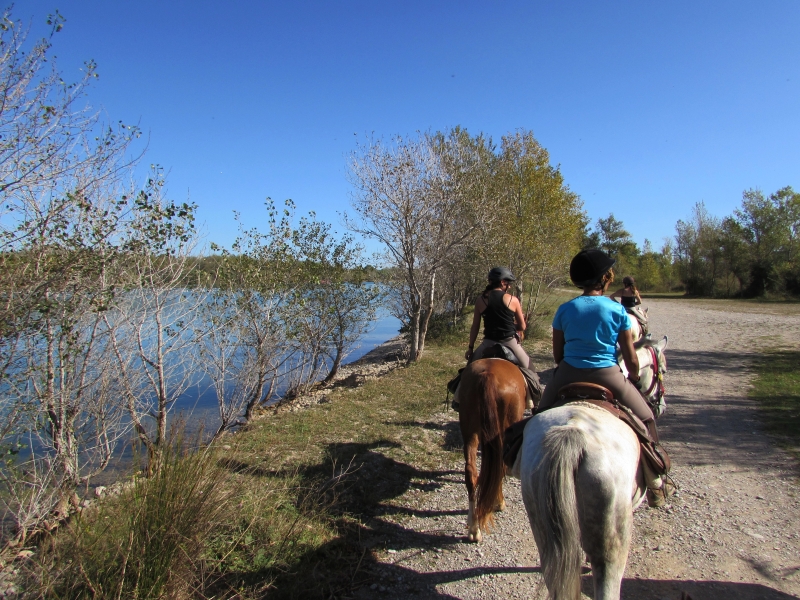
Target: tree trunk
[428,312]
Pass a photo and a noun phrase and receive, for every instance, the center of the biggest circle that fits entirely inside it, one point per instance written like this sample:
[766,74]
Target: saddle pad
[651,450]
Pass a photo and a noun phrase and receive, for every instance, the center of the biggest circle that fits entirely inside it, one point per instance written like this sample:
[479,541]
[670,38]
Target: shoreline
[382,359]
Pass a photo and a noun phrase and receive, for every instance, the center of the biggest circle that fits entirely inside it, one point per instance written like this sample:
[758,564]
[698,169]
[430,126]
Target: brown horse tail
[493,470]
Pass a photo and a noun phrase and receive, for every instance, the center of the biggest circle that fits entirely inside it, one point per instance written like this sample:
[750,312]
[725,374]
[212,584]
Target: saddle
[640,314]
[651,451]
[499,351]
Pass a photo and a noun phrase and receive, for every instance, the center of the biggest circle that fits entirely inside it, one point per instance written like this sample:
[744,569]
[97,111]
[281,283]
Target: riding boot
[452,386]
[659,485]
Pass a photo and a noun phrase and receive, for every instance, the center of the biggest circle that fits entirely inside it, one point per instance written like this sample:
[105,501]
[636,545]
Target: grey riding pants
[609,377]
[510,343]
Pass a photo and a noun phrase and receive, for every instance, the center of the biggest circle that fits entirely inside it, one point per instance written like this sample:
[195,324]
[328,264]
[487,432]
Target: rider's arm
[476,325]
[558,345]
[638,297]
[629,355]
[519,317]
[614,295]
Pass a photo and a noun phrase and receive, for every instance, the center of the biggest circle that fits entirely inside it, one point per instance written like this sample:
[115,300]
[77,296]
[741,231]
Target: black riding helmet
[589,266]
[500,274]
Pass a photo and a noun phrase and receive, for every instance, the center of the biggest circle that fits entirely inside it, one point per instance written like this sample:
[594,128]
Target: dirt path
[732,532]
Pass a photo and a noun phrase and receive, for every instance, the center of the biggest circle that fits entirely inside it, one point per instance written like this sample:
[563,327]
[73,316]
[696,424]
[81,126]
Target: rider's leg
[522,357]
[624,391]
[659,486]
[482,347]
[562,375]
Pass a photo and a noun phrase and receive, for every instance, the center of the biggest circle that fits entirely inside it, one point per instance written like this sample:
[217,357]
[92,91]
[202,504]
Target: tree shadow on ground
[364,510]
[725,414]
[452,432]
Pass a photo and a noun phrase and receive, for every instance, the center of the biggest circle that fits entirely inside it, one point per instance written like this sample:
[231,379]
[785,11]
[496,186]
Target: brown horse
[491,395]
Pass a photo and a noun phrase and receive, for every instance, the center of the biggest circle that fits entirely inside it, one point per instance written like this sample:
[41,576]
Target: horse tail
[493,470]
[555,520]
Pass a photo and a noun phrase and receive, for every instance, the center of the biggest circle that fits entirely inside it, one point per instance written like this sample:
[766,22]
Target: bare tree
[60,217]
[422,198]
[248,344]
[152,322]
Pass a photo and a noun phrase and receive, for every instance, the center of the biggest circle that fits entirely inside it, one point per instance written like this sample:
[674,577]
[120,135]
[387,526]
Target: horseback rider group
[586,333]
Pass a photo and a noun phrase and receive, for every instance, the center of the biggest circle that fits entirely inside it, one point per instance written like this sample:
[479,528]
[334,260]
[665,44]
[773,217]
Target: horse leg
[606,521]
[501,502]
[607,578]
[471,481]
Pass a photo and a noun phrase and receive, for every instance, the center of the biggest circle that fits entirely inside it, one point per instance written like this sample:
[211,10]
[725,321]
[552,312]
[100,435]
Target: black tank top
[628,301]
[498,319]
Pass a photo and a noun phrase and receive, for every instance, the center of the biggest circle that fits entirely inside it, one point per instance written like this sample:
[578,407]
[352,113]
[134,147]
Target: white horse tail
[555,521]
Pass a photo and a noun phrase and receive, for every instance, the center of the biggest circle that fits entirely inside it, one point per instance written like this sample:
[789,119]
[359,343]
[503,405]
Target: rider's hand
[468,353]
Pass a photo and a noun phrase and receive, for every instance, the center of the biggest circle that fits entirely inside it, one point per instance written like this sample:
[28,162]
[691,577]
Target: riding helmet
[589,266]
[501,274]
[628,280]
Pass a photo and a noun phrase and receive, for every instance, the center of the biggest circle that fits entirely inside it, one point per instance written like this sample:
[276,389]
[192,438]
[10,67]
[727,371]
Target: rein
[656,373]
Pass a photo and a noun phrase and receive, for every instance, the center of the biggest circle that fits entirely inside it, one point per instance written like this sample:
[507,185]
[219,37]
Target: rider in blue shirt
[586,331]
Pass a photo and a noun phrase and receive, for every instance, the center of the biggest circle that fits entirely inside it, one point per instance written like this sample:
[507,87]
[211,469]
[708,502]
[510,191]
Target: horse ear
[662,344]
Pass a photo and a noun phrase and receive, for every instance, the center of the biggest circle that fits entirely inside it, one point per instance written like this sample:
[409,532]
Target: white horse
[581,481]
[652,366]
[579,467]
[637,332]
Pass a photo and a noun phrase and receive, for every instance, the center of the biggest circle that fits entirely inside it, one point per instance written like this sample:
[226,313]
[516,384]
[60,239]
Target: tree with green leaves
[540,222]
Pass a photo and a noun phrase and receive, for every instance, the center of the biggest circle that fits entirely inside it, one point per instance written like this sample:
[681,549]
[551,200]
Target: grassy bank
[776,387]
[303,501]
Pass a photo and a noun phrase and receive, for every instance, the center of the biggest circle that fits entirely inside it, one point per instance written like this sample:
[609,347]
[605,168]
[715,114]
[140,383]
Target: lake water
[199,403]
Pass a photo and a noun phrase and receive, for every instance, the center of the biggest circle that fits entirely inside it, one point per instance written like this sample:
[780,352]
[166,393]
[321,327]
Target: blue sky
[647,107]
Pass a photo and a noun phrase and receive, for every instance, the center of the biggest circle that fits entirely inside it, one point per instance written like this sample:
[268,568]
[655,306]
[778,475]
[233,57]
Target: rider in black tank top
[498,319]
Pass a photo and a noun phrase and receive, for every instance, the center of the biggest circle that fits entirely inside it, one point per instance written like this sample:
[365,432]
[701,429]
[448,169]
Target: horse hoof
[475,536]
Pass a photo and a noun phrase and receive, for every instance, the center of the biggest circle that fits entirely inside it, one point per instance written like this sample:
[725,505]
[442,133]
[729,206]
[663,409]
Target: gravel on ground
[731,532]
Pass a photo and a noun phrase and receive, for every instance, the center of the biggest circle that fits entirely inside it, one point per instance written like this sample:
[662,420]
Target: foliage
[148,541]
[541,220]
[752,253]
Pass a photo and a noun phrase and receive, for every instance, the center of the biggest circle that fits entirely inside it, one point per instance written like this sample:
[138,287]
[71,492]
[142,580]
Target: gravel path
[732,531]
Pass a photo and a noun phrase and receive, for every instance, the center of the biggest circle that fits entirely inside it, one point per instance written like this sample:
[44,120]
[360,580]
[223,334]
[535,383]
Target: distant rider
[629,294]
[504,324]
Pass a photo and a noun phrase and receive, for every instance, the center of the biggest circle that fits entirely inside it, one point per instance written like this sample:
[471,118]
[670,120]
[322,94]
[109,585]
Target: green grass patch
[777,388]
[300,504]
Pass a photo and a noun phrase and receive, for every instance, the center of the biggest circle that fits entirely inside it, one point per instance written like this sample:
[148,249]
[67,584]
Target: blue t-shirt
[591,326]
